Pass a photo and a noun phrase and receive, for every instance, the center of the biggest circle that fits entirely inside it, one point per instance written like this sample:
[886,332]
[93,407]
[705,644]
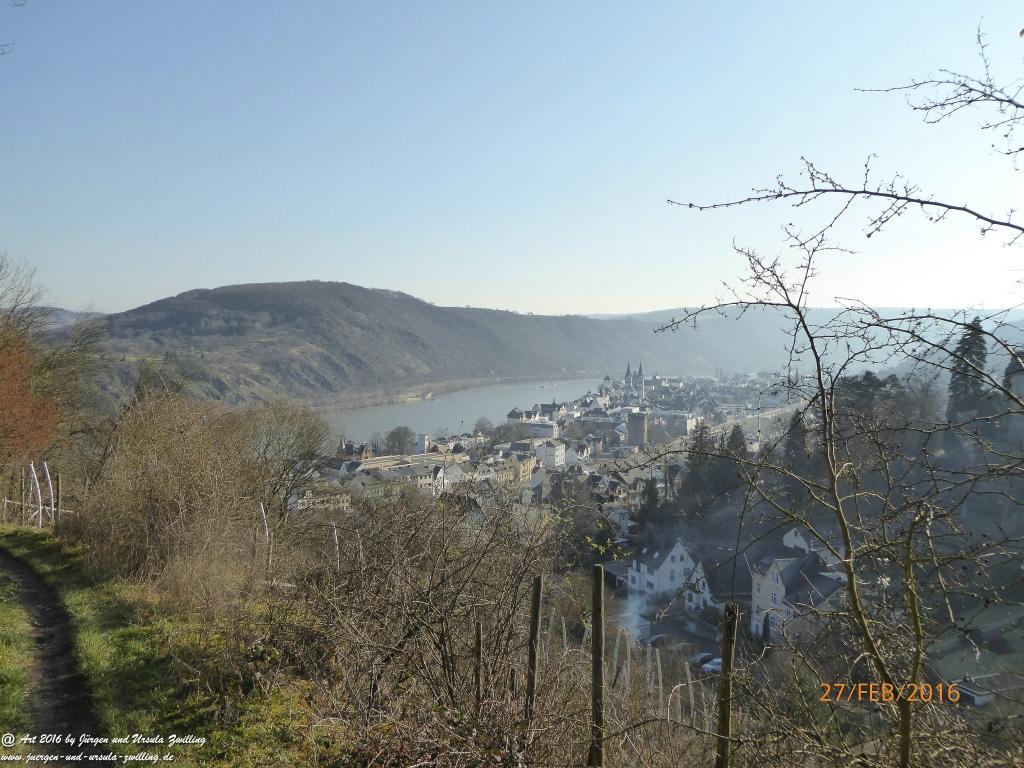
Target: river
[455,412]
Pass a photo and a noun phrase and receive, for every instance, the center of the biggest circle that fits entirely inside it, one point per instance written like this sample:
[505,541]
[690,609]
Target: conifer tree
[794,450]
[737,444]
[965,386]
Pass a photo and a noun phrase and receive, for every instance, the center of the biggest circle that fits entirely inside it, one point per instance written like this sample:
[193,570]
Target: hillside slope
[319,341]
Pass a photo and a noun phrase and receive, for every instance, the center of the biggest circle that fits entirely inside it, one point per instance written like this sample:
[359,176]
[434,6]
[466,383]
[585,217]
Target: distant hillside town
[591,452]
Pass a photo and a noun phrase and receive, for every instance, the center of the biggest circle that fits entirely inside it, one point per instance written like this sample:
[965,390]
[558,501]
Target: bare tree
[919,516]
[400,440]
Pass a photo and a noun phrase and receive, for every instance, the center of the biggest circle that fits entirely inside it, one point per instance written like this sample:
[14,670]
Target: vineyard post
[689,690]
[266,532]
[337,547]
[479,672]
[38,490]
[534,656]
[49,487]
[597,734]
[724,731]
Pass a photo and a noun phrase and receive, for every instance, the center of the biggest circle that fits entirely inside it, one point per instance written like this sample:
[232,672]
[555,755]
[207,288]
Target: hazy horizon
[595,315]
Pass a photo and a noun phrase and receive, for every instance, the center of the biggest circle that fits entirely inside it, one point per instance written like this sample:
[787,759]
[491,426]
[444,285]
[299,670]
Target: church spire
[629,375]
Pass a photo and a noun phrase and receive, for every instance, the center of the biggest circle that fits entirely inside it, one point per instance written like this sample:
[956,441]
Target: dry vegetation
[397,633]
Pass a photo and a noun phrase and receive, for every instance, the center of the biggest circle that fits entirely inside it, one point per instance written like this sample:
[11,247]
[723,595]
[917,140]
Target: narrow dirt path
[60,699]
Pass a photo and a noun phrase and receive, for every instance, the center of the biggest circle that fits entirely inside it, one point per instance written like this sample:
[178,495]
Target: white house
[618,516]
[551,454]
[577,453]
[445,476]
[794,538]
[787,591]
[656,572]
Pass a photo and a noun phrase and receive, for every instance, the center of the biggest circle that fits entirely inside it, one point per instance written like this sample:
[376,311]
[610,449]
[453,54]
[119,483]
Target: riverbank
[452,409]
[430,390]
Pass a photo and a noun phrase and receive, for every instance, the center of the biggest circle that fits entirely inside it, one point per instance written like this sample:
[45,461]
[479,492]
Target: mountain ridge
[321,341]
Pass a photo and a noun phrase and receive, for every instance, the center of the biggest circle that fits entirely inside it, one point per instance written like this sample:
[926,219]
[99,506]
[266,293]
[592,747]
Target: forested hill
[321,340]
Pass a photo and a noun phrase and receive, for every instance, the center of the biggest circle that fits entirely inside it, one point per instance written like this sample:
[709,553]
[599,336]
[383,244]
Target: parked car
[712,667]
[700,660]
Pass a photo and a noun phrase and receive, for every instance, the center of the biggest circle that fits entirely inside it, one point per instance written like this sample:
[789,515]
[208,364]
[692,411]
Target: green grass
[143,665]
[16,647]
[120,651]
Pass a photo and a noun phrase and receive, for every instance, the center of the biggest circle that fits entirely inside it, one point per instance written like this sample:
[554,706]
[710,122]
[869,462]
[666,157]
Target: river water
[455,412]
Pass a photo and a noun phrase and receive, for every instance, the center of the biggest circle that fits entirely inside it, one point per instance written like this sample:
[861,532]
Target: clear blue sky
[510,155]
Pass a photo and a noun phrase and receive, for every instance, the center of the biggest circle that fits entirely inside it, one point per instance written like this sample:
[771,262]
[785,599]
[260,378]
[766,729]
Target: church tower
[640,376]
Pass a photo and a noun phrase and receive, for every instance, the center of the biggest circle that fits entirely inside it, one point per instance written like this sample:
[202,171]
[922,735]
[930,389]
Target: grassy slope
[139,663]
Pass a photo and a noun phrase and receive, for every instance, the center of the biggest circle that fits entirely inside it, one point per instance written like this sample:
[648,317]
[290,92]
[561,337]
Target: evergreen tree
[650,503]
[699,445]
[653,516]
[722,471]
[737,445]
[795,453]
[965,385]
[696,482]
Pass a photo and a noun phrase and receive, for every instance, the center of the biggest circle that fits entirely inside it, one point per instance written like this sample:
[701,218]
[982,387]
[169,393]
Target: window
[672,559]
[632,579]
[650,585]
[775,578]
[759,588]
[775,600]
[672,575]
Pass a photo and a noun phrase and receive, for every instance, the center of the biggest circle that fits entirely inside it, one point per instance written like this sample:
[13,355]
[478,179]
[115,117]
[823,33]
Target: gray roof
[653,557]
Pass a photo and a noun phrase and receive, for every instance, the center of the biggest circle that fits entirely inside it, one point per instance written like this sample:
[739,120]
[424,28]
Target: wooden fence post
[39,492]
[60,497]
[49,486]
[615,658]
[547,632]
[723,750]
[689,690]
[270,541]
[479,673]
[661,690]
[534,657]
[597,734]
[629,660]
[337,547]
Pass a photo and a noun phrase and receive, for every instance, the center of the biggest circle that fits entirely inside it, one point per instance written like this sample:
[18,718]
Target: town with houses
[602,442]
[622,444]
